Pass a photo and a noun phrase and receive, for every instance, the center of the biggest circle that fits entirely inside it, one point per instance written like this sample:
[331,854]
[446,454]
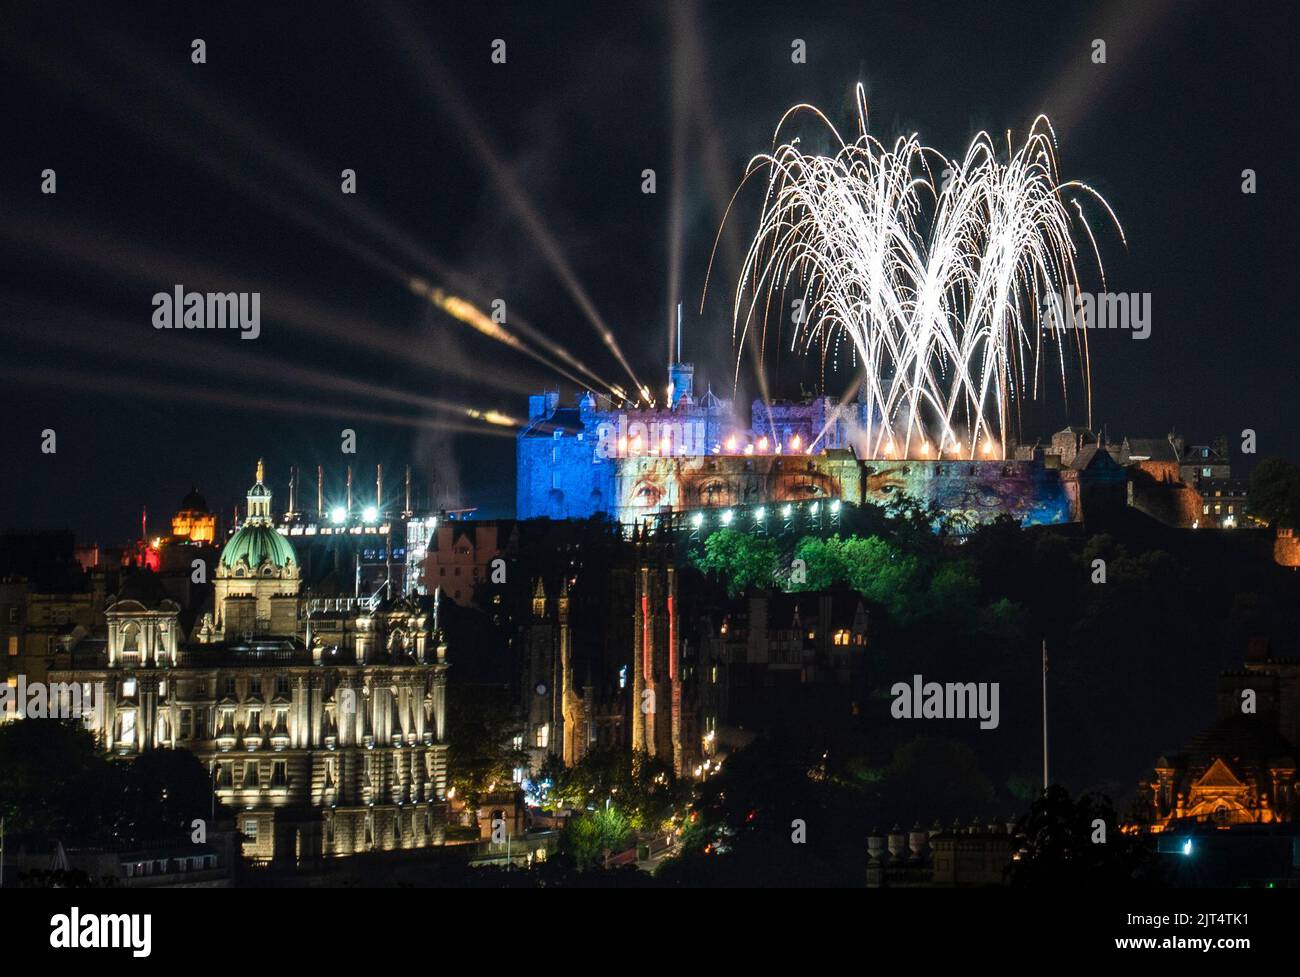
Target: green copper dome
[258,544]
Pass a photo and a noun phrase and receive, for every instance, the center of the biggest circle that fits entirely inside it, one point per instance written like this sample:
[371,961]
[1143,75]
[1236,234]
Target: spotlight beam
[425,63]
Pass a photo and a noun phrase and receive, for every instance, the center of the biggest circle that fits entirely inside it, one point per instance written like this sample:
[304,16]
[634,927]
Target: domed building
[194,522]
[322,720]
[256,583]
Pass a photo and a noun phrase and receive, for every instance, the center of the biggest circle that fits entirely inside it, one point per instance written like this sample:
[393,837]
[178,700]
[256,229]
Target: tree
[741,559]
[1275,492]
[54,784]
[593,835]
[479,729]
[162,792]
[1059,845]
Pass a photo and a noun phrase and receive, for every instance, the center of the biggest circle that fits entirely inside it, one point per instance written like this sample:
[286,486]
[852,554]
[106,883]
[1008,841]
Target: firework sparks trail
[946,324]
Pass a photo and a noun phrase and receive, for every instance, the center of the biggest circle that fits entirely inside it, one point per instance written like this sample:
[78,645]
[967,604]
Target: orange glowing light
[762,443]
[731,443]
[794,443]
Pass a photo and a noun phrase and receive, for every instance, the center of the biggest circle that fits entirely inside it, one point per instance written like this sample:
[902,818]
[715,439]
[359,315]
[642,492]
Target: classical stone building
[321,722]
[1241,770]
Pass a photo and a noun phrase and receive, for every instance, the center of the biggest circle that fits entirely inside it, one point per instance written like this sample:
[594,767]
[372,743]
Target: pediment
[1219,777]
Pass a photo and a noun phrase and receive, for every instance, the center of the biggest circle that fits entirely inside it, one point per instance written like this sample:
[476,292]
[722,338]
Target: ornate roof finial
[259,469]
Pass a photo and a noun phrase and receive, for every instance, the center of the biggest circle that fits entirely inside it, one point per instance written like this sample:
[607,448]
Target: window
[229,686]
[250,774]
[1205,472]
[187,723]
[250,830]
[543,735]
[254,686]
[131,638]
[282,685]
[1205,509]
[13,645]
[254,719]
[518,741]
[128,687]
[279,774]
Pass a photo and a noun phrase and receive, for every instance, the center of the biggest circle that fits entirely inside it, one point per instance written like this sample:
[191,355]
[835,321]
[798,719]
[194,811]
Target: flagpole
[1045,781]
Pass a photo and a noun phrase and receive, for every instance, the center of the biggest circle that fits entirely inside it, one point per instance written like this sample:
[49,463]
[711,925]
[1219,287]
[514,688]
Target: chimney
[320,492]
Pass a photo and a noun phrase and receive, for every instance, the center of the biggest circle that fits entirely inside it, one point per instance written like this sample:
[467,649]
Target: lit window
[543,735]
[250,830]
[128,687]
[13,645]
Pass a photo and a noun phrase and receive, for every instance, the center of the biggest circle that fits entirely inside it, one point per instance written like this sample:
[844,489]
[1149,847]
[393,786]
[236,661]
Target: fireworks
[935,269]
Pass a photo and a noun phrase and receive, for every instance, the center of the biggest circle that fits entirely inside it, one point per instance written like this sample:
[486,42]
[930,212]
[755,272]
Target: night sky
[225,176]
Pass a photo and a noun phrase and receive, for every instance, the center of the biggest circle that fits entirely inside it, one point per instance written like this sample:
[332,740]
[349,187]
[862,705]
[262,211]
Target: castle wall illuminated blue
[627,461]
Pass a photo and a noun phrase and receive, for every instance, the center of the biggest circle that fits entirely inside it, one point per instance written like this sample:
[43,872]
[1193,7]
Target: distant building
[1242,770]
[766,653]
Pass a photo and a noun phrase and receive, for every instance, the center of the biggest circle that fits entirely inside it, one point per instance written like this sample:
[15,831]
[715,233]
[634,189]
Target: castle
[631,463]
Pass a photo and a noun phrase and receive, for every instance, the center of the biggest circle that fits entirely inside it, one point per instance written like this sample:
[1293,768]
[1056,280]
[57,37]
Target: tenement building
[322,722]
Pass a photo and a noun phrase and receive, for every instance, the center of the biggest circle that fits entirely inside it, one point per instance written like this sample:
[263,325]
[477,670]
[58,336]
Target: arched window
[131,638]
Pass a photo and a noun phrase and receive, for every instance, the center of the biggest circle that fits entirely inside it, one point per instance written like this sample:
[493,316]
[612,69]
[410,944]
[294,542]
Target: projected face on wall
[975,492]
[646,485]
[972,492]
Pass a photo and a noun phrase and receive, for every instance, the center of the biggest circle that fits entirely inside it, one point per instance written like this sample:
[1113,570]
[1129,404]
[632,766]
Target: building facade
[322,722]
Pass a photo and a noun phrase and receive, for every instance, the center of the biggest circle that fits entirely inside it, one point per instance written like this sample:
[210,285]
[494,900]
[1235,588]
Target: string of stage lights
[943,314]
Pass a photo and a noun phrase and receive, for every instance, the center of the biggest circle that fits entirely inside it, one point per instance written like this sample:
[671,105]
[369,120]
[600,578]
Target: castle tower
[657,681]
[573,724]
[681,376]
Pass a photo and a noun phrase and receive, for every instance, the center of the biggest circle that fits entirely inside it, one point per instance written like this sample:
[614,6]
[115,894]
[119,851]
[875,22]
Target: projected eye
[646,494]
[715,491]
[812,485]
